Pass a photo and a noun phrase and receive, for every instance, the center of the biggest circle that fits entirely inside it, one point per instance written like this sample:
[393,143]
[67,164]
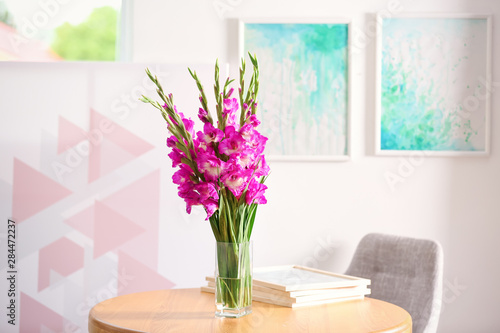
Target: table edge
[97,326]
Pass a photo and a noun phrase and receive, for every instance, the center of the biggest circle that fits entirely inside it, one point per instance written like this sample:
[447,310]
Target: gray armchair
[404,271]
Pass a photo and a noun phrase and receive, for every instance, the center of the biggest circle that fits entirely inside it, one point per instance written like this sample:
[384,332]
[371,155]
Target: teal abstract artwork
[303,95]
[434,84]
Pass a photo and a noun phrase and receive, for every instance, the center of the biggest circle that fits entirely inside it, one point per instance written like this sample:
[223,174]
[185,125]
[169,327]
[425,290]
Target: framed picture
[295,278]
[433,84]
[304,86]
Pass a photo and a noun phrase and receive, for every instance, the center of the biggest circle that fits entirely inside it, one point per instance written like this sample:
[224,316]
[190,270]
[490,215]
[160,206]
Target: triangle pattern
[94,163]
[135,277]
[83,221]
[103,128]
[111,229]
[38,315]
[62,256]
[54,277]
[140,202]
[113,156]
[119,135]
[33,191]
[69,135]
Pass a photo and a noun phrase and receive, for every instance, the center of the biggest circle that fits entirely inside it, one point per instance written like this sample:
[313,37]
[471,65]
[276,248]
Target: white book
[290,304]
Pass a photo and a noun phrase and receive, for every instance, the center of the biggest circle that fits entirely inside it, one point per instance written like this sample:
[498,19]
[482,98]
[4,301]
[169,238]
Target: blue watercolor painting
[433,93]
[303,86]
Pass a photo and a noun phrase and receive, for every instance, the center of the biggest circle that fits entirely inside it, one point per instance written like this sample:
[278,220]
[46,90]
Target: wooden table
[190,310]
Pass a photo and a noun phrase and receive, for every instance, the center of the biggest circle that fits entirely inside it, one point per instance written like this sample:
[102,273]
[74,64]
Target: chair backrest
[404,271]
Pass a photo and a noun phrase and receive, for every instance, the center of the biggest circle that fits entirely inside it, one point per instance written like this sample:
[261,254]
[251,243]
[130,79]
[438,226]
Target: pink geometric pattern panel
[95,233]
[83,221]
[140,203]
[62,256]
[111,229]
[112,157]
[39,315]
[137,277]
[33,191]
[69,135]
[102,128]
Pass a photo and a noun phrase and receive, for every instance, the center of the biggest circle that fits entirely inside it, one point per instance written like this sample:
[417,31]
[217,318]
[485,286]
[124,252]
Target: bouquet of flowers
[222,168]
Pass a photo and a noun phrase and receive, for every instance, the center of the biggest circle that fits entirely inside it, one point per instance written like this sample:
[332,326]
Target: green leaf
[253,212]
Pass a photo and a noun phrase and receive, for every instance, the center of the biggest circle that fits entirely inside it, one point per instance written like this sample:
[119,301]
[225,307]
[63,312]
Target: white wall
[453,200]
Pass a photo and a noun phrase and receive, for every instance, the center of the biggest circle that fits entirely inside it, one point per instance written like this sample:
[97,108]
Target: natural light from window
[59,30]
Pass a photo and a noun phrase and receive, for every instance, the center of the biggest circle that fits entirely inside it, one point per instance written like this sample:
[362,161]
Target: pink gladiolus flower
[200,143]
[176,155]
[189,125]
[172,142]
[190,196]
[207,191]
[182,175]
[257,142]
[210,166]
[212,134]
[203,115]
[208,197]
[255,193]
[252,120]
[243,159]
[261,168]
[235,180]
[200,194]
[210,207]
[230,130]
[230,105]
[247,132]
[230,108]
[233,144]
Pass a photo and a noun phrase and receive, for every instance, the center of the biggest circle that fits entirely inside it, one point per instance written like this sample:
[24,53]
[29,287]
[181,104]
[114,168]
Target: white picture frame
[296,278]
[462,130]
[272,117]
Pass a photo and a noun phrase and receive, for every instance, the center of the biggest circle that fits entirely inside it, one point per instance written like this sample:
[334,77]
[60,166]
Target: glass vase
[233,279]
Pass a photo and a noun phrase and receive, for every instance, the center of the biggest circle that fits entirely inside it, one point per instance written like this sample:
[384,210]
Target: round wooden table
[190,310]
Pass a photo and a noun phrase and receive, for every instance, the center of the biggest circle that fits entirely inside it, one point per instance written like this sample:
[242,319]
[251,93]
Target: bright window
[60,30]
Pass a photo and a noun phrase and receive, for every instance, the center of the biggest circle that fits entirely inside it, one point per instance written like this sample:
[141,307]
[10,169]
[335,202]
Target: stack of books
[296,286]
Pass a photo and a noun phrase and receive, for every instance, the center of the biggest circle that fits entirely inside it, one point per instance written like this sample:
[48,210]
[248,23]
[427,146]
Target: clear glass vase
[233,279]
